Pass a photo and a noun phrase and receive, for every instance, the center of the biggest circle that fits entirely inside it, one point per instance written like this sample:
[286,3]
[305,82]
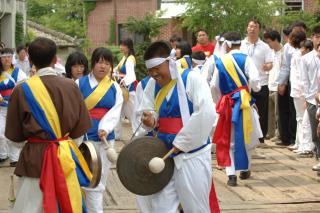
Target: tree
[218,16]
[149,26]
[67,16]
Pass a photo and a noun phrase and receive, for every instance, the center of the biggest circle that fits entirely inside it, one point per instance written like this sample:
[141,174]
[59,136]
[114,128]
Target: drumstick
[156,164]
[111,152]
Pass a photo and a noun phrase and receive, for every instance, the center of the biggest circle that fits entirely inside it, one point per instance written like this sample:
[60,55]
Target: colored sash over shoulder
[64,170]
[222,135]
[103,87]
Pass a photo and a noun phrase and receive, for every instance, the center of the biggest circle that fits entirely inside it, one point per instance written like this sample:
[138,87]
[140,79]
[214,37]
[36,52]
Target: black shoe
[3,159]
[282,143]
[261,140]
[232,180]
[13,163]
[244,175]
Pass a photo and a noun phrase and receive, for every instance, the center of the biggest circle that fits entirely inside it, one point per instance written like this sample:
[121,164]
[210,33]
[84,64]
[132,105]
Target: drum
[91,154]
[133,170]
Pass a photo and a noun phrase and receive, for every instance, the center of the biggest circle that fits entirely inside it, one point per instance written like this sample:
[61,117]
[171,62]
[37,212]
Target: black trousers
[262,102]
[287,117]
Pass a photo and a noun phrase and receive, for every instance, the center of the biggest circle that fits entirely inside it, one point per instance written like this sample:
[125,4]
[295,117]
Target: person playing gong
[178,104]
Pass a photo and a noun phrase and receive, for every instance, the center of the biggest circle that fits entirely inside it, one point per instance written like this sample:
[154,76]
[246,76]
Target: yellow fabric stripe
[162,94]
[164,91]
[69,170]
[41,94]
[81,159]
[123,59]
[184,64]
[93,99]
[244,95]
[3,77]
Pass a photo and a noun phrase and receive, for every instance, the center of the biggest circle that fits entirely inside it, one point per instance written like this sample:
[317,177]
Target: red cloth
[98,113]
[213,200]
[207,49]
[6,92]
[52,180]
[222,134]
[170,125]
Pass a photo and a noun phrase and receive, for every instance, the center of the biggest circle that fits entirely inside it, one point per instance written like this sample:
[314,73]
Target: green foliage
[19,29]
[67,16]
[112,32]
[149,26]
[218,16]
[309,19]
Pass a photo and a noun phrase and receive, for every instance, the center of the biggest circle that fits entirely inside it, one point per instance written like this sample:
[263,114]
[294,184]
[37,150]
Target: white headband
[6,54]
[200,62]
[153,62]
[229,43]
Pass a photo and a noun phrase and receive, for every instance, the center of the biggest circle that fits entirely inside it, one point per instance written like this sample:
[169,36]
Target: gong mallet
[156,164]
[111,152]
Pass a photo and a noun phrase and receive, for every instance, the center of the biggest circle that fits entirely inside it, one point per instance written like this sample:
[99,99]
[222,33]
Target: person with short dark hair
[126,75]
[198,60]
[10,76]
[185,105]
[238,129]
[48,111]
[103,98]
[311,82]
[261,54]
[183,55]
[286,32]
[22,61]
[174,39]
[76,65]
[273,39]
[203,43]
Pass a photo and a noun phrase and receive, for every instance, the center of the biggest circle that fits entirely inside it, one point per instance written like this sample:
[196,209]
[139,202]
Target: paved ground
[280,183]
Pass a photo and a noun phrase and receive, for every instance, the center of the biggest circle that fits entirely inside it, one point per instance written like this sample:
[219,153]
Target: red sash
[222,134]
[170,125]
[98,113]
[6,92]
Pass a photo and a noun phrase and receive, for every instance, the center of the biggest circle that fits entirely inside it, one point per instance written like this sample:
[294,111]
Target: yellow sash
[42,96]
[184,64]
[103,87]
[164,92]
[245,97]
[3,76]
[123,59]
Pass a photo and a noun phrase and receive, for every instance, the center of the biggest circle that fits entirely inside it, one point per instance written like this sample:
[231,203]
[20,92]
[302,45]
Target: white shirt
[286,64]
[24,66]
[310,81]
[274,72]
[260,53]
[250,71]
[130,76]
[112,117]
[208,68]
[296,74]
[196,132]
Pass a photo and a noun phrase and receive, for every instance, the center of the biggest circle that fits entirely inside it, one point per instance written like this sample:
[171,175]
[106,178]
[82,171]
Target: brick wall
[311,5]
[99,18]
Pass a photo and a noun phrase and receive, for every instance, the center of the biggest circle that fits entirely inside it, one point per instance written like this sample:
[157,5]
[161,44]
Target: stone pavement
[280,183]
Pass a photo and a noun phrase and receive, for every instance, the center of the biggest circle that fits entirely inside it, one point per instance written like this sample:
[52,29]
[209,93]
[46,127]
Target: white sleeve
[136,117]
[269,58]
[305,77]
[215,87]
[130,76]
[253,74]
[147,103]
[112,117]
[197,130]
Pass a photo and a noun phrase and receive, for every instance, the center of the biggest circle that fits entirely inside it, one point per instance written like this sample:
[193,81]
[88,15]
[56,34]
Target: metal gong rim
[133,170]
[92,156]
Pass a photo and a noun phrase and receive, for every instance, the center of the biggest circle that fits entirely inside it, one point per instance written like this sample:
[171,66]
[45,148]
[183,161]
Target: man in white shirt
[273,39]
[287,113]
[311,81]
[261,54]
[22,61]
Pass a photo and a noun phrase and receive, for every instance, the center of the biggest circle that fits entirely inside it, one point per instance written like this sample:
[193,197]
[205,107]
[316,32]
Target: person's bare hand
[282,89]
[102,133]
[148,119]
